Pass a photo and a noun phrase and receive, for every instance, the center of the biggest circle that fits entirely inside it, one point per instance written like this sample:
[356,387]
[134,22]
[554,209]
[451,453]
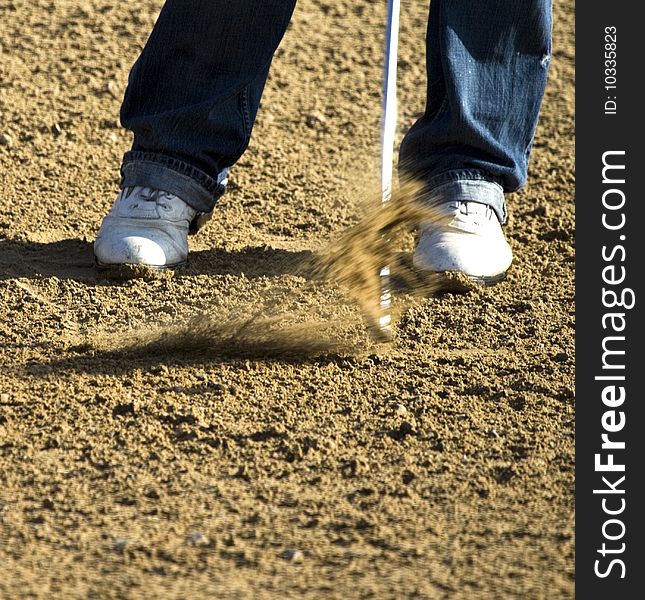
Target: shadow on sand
[73,259]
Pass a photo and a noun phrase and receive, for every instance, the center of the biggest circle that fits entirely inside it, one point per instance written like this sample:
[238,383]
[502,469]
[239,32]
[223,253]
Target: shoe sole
[407,278]
[136,271]
[460,283]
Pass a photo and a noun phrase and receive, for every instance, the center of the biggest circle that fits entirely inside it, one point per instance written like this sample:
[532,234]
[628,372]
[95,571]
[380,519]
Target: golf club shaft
[388,132]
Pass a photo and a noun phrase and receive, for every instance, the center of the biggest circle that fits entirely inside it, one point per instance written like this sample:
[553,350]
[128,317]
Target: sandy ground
[442,467]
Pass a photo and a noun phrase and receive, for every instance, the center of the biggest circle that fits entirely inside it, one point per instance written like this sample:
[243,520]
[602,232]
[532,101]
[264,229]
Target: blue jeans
[194,92]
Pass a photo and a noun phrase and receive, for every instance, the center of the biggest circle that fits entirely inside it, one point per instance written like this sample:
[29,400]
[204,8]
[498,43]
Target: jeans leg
[194,92]
[487,64]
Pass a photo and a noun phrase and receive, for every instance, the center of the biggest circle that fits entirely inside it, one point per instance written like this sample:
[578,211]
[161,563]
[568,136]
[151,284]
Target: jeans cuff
[194,187]
[467,186]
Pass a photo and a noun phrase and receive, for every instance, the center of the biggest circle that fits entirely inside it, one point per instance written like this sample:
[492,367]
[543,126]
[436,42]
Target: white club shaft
[388,123]
[388,132]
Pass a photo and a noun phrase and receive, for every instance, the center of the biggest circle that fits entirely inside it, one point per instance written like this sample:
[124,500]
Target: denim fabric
[194,92]
[466,186]
[487,64]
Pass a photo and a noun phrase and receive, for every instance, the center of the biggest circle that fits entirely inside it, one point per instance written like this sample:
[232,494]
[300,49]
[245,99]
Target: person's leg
[487,64]
[191,101]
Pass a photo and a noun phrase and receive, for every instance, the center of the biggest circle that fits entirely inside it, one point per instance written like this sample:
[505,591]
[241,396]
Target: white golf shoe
[466,238]
[145,227]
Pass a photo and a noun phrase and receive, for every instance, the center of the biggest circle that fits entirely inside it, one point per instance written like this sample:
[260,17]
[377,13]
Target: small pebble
[112,88]
[151,493]
[120,544]
[315,120]
[56,129]
[6,140]
[198,539]
[293,555]
[400,410]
